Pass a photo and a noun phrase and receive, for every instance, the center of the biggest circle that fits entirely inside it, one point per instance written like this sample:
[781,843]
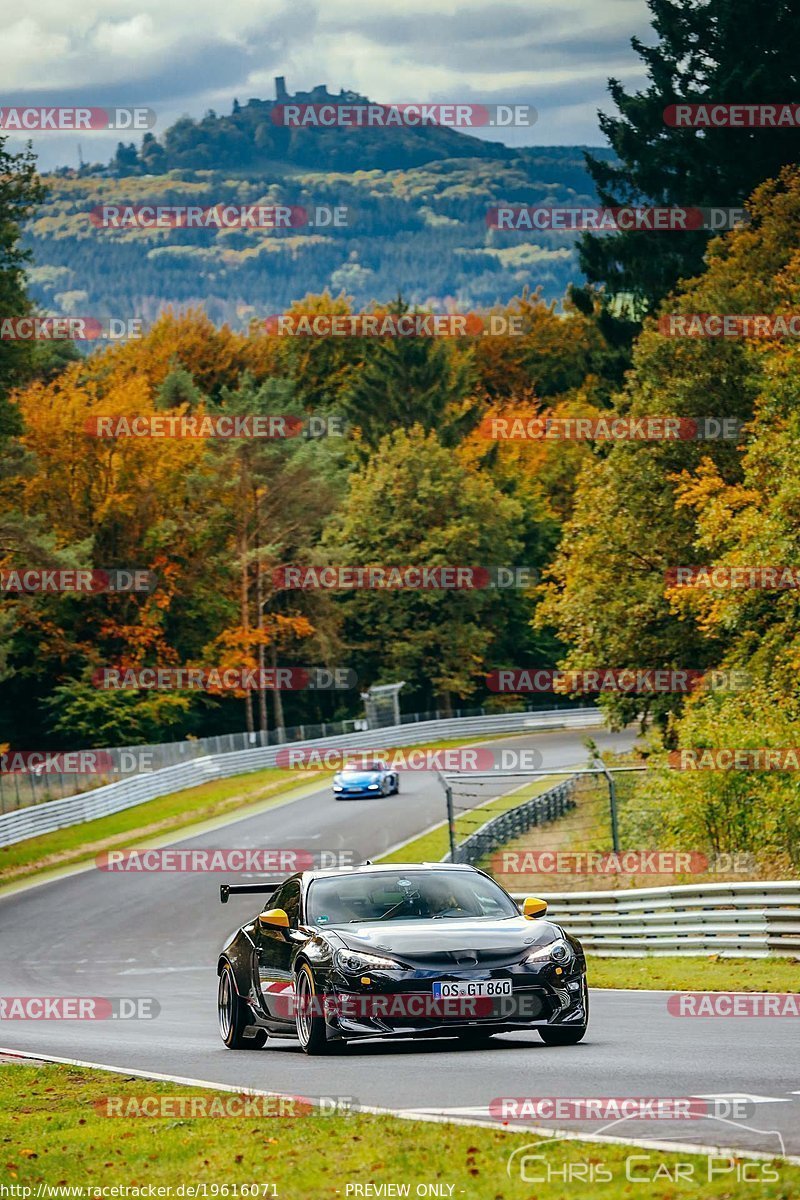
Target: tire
[567,1035]
[234,1015]
[396,786]
[310,1023]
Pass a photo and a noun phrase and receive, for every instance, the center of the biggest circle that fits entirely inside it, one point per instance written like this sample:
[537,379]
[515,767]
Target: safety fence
[743,920]
[20,790]
[114,797]
[548,806]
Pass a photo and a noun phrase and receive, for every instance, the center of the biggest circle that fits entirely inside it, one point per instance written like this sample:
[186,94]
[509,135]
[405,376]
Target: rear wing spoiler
[248,889]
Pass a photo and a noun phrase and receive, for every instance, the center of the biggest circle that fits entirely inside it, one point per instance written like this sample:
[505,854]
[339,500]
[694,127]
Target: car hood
[412,939]
[359,776]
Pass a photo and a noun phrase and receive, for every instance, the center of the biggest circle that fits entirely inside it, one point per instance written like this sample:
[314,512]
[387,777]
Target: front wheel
[567,1035]
[309,1017]
[235,1016]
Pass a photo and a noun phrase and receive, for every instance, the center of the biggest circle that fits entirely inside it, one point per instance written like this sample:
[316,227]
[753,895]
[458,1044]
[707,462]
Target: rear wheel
[235,1016]
[309,1017]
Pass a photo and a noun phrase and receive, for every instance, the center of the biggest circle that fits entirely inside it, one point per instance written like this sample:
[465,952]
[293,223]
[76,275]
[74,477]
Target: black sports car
[432,949]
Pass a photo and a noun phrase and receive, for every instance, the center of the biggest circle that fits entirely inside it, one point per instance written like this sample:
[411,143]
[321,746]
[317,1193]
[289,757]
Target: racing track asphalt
[157,935]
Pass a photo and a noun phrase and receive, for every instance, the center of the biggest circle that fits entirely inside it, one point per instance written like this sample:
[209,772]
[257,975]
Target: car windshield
[405,896]
[369,766]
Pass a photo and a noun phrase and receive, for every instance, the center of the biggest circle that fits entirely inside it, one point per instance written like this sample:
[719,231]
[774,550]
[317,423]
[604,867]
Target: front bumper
[402,1005]
[352,793]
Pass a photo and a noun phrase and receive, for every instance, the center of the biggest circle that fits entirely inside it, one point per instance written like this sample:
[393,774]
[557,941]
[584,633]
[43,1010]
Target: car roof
[382,868]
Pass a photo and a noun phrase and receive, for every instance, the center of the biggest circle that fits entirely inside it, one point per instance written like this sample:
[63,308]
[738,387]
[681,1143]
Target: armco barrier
[17,791]
[743,920]
[114,797]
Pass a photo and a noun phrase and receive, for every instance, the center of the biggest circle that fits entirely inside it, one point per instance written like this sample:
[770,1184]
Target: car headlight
[374,786]
[353,962]
[559,952]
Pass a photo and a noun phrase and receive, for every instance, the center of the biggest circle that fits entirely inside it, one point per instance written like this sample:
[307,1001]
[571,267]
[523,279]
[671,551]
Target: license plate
[489,987]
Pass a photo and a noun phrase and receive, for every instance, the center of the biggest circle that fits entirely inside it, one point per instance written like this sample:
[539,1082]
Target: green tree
[608,597]
[21,191]
[416,503]
[81,715]
[715,51]
[407,381]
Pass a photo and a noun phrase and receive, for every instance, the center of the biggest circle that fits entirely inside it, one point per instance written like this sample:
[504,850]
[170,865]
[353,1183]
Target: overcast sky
[186,56]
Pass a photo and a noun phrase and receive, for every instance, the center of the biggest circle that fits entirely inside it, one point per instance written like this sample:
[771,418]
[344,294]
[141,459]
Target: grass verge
[153,819]
[55,1133]
[702,974]
[167,814]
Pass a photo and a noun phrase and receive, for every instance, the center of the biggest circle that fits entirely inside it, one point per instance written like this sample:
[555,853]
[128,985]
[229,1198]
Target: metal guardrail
[548,806]
[745,920]
[742,920]
[115,797]
[17,791]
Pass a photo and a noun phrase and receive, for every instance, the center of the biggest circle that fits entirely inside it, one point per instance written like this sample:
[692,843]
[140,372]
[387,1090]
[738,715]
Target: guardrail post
[451,823]
[612,804]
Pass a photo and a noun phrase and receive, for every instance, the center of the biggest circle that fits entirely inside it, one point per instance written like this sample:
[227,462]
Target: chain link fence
[21,789]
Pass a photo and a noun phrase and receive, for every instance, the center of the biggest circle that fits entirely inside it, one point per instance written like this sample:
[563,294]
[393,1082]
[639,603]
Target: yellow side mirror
[273,918]
[532,907]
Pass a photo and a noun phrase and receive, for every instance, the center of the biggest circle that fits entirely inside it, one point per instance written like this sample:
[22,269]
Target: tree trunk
[262,694]
[276,697]
[245,619]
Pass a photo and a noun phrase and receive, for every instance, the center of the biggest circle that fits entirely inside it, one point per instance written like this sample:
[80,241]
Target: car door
[275,951]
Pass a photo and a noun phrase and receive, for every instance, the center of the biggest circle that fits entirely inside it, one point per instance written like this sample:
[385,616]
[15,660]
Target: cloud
[184,56]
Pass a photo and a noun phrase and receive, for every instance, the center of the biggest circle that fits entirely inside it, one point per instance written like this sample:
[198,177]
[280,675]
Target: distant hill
[249,140]
[416,198]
